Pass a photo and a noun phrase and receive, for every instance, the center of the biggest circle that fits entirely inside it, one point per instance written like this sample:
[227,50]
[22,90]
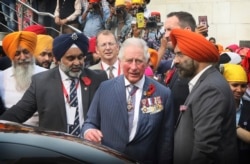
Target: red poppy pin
[86,80]
[150,90]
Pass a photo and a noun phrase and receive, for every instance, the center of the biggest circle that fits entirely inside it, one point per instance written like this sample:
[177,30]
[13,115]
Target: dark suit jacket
[153,141]
[180,91]
[45,95]
[244,122]
[205,132]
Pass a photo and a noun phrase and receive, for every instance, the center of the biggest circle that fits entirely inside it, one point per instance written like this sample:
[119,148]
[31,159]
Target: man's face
[23,57]
[23,64]
[186,66]
[72,62]
[44,59]
[133,63]
[107,47]
[170,23]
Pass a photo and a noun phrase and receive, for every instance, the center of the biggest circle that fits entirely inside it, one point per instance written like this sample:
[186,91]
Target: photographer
[120,20]
[94,17]
[155,30]
[140,5]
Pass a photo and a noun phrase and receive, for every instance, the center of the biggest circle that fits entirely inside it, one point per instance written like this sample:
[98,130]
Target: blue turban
[63,42]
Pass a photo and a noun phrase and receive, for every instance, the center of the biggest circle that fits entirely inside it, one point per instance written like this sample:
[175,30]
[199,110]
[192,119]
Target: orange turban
[153,57]
[25,39]
[194,45]
[44,42]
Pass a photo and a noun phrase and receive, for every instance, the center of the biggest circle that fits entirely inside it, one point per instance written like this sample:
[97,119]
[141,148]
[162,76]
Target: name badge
[71,113]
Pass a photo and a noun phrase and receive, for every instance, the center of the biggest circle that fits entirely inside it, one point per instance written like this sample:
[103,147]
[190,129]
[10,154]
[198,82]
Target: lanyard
[65,93]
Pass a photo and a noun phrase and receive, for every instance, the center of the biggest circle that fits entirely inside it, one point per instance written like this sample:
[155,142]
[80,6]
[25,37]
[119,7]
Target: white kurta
[11,95]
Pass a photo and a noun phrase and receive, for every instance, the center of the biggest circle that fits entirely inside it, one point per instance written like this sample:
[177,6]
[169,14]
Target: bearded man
[61,95]
[19,47]
[43,52]
[203,132]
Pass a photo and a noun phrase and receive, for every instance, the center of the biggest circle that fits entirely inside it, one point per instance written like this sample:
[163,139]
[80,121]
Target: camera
[120,10]
[152,23]
[95,6]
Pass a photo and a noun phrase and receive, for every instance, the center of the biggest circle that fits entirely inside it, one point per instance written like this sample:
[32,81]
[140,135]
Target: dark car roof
[58,142]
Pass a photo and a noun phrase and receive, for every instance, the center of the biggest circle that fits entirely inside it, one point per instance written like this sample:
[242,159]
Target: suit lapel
[142,118]
[203,76]
[120,93]
[85,90]
[57,88]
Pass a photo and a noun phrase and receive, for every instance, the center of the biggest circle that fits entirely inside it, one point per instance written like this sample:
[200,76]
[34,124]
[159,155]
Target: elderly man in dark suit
[132,113]
[205,131]
[61,95]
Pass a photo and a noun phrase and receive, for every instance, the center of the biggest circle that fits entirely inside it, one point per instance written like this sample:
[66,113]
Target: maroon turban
[194,45]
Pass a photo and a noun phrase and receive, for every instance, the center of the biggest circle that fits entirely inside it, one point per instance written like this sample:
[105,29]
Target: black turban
[63,42]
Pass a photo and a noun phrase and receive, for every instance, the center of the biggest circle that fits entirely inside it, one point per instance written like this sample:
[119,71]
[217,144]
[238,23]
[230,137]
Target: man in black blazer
[49,91]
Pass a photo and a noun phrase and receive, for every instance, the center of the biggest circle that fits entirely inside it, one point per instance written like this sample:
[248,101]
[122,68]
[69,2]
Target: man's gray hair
[134,42]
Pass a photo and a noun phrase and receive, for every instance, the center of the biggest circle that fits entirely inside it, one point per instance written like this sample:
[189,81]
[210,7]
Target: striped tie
[111,75]
[75,128]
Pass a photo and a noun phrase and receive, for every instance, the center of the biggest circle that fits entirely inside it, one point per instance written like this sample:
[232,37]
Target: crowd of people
[161,93]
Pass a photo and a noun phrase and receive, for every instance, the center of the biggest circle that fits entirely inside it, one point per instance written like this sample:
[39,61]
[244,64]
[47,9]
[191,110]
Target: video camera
[152,23]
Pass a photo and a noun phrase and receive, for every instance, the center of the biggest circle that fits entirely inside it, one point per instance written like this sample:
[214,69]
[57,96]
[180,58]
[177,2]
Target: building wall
[228,20]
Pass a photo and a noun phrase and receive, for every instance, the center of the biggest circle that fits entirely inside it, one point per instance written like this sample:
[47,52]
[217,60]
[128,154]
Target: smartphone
[203,20]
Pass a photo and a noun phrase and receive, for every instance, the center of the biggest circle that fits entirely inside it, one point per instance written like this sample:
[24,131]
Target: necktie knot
[133,89]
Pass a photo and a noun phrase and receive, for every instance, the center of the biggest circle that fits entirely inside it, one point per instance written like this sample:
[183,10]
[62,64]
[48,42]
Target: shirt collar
[194,80]
[106,66]
[139,83]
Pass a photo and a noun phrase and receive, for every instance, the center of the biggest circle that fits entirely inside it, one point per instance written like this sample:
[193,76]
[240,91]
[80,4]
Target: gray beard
[22,75]
[68,72]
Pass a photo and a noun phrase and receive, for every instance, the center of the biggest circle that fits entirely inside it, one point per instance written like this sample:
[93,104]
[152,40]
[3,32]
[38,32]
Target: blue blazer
[153,141]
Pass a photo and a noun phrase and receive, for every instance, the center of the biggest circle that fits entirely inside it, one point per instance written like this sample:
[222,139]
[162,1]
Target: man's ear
[188,28]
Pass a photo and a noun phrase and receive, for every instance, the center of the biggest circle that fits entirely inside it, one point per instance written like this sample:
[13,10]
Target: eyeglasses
[110,44]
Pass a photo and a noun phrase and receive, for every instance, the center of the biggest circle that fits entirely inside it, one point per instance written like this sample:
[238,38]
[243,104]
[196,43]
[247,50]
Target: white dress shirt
[138,95]
[116,68]
[70,116]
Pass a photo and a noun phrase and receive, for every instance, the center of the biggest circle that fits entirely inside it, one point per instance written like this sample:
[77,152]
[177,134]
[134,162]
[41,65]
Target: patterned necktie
[111,75]
[131,106]
[75,128]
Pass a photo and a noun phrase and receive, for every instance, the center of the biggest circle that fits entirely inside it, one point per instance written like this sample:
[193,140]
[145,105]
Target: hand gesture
[93,135]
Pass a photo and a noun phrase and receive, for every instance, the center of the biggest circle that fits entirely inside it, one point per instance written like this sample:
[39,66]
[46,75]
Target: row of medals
[149,105]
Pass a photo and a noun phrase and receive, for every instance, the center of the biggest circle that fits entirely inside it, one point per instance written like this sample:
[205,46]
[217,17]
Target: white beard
[22,75]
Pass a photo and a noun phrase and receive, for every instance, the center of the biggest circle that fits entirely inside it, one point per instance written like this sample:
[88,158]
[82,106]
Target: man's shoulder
[46,73]
[96,66]
[157,84]
[96,74]
[39,69]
